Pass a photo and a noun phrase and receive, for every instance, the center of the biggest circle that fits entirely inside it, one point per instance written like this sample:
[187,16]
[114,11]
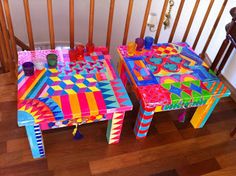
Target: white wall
[61,23]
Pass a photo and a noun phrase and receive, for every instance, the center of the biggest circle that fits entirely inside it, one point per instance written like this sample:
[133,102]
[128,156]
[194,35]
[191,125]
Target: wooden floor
[171,148]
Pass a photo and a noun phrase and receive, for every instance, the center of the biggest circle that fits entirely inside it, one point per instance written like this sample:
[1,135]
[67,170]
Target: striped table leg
[114,128]
[143,122]
[36,141]
[203,113]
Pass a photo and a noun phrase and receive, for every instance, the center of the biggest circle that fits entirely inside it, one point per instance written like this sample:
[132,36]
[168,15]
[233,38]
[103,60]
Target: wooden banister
[5,37]
[145,18]
[110,20]
[215,26]
[127,23]
[10,29]
[191,20]
[72,24]
[176,20]
[28,24]
[91,21]
[161,20]
[50,24]
[203,24]
[3,53]
[21,44]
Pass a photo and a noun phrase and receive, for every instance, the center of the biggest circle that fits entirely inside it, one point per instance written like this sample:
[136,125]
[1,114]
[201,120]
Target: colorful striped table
[74,93]
[168,77]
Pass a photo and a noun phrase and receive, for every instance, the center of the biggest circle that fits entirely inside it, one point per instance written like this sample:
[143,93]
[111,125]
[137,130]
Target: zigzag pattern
[56,110]
[39,139]
[121,94]
[143,122]
[114,128]
[41,109]
[108,94]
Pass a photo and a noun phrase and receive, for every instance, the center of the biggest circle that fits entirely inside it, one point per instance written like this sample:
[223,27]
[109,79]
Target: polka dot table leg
[143,122]
[36,141]
[114,128]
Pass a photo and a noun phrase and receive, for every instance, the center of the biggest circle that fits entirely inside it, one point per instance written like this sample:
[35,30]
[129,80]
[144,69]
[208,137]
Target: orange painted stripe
[212,86]
[75,106]
[57,100]
[218,88]
[92,103]
[223,92]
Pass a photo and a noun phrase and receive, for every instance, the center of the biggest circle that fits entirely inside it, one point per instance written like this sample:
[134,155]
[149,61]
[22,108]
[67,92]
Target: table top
[170,73]
[74,90]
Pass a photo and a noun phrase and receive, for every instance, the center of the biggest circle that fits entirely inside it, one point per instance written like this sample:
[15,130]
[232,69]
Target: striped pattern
[36,141]
[202,114]
[39,139]
[143,122]
[114,128]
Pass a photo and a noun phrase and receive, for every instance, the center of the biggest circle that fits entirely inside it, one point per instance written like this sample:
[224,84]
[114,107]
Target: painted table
[74,93]
[169,77]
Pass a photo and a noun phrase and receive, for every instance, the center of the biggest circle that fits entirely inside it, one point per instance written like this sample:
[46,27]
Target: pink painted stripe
[44,90]
[23,81]
[100,102]
[65,103]
[84,107]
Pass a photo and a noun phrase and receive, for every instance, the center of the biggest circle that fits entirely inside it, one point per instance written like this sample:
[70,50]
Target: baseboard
[208,61]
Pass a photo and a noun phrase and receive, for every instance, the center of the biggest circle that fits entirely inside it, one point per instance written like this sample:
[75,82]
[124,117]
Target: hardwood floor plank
[18,144]
[229,171]
[227,160]
[199,168]
[3,147]
[172,172]
[150,154]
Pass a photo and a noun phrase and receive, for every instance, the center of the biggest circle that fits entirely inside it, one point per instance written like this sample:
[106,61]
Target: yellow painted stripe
[57,99]
[205,111]
[158,109]
[75,106]
[33,84]
[92,103]
[20,75]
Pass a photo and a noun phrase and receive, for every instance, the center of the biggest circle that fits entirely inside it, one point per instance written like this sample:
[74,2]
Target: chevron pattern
[114,128]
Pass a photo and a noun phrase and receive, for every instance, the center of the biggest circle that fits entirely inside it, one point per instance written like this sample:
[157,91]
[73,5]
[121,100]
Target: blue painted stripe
[141,135]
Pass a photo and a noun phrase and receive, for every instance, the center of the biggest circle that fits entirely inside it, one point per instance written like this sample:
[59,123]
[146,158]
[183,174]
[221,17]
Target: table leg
[36,140]
[114,128]
[203,113]
[143,121]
